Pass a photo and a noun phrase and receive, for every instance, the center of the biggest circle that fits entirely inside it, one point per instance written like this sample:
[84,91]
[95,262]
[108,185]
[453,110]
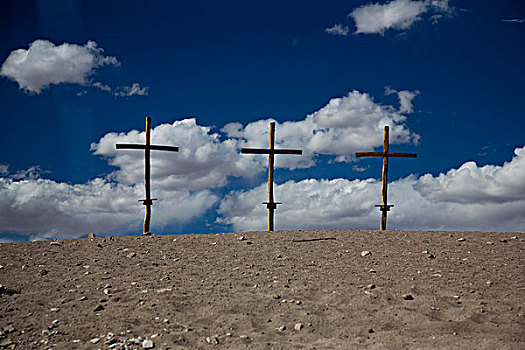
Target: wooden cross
[271,205]
[384,207]
[147,148]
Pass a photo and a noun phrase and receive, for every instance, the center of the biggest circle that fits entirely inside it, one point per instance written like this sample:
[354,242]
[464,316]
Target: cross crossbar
[388,154]
[271,151]
[147,147]
[384,207]
[151,147]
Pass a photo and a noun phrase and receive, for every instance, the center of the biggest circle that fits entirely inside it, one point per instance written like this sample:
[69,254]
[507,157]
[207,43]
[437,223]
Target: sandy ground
[258,290]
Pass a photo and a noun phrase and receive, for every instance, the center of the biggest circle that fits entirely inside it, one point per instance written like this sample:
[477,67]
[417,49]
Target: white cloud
[397,14]
[101,86]
[41,208]
[514,20]
[45,63]
[490,198]
[312,204]
[337,29]
[203,160]
[135,89]
[342,127]
[483,185]
[405,99]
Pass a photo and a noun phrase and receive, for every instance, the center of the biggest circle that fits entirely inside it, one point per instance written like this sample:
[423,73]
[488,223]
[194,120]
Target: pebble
[91,235]
[98,308]
[131,255]
[371,286]
[298,326]
[55,243]
[5,343]
[212,340]
[372,271]
[431,256]
[462,239]
[408,297]
[366,253]
[54,309]
[281,329]
[241,238]
[147,344]
[95,340]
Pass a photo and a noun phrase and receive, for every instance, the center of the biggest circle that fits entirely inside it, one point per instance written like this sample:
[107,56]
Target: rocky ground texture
[282,290]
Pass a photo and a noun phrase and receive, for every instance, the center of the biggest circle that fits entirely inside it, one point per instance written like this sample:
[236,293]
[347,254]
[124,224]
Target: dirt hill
[258,290]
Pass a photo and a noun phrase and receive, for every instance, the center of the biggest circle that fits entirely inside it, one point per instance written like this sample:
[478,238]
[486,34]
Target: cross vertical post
[271,151]
[384,207]
[147,147]
[147,190]
[271,159]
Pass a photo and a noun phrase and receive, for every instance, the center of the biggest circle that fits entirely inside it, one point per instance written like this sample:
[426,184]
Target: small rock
[241,238]
[95,340]
[55,243]
[281,329]
[462,239]
[98,308]
[298,326]
[9,329]
[107,291]
[514,237]
[5,343]
[372,271]
[431,256]
[212,340]
[371,286]
[131,255]
[366,253]
[91,235]
[408,297]
[147,344]
[371,330]
[54,309]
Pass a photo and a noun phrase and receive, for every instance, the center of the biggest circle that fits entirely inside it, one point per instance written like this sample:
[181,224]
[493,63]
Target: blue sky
[447,76]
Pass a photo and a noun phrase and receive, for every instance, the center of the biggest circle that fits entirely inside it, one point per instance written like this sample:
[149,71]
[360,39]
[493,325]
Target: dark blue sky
[243,61]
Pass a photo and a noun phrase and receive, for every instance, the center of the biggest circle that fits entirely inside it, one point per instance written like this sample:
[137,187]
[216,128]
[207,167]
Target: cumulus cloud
[132,90]
[397,14]
[203,160]
[45,63]
[42,208]
[470,183]
[342,127]
[337,29]
[489,198]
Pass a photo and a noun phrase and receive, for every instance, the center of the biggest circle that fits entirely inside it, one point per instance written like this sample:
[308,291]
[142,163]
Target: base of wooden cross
[384,208]
[146,233]
[271,207]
